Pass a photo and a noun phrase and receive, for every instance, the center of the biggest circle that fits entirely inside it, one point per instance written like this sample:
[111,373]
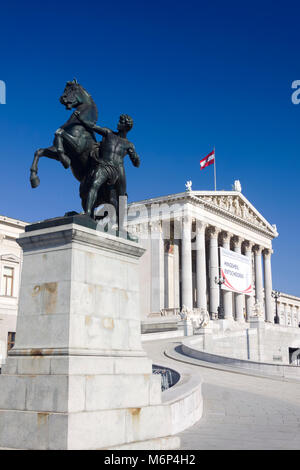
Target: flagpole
[215,171]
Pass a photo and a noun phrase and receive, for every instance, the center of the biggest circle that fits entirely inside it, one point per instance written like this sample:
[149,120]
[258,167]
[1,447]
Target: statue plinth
[257,321]
[78,377]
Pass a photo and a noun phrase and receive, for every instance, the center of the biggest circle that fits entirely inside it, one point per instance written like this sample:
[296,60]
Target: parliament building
[183,234]
[181,270]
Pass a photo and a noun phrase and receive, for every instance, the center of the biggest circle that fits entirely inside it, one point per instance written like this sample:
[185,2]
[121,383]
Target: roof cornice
[198,198]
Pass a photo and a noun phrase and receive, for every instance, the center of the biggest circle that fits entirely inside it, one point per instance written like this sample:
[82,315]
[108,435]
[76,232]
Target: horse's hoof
[35,181]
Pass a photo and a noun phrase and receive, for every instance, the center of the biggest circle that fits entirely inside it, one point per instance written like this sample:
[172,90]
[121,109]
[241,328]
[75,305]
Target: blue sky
[192,74]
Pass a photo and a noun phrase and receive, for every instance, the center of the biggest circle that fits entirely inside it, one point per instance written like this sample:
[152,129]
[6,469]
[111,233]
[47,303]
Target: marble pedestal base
[79,402]
[259,323]
[187,327]
[78,377]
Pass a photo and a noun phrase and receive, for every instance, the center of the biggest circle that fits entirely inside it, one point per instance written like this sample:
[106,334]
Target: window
[8,277]
[11,338]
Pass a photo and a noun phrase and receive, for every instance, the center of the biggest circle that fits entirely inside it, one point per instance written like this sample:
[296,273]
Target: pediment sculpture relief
[236,207]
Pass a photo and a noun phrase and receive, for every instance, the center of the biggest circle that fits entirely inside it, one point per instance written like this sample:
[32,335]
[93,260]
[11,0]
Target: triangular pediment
[235,204]
[230,204]
[10,257]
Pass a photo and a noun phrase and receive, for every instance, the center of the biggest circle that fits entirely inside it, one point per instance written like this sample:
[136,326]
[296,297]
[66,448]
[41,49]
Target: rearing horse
[72,142]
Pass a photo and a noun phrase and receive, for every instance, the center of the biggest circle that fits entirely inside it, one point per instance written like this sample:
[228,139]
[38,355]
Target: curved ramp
[241,411]
[189,349]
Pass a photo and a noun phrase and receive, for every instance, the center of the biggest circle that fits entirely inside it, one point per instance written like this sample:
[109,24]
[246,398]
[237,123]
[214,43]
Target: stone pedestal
[228,324]
[187,327]
[78,377]
[258,322]
[206,335]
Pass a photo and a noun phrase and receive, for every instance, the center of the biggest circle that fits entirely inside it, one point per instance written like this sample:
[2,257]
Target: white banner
[236,270]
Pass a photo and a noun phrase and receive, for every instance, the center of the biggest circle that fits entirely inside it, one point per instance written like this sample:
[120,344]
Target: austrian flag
[208,160]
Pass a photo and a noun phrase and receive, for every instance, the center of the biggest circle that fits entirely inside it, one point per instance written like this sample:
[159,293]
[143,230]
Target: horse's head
[73,95]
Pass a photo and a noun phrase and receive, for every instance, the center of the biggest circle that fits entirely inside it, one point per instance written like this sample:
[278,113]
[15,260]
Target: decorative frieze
[237,207]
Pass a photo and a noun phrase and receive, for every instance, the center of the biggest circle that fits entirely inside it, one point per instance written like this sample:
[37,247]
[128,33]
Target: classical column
[214,290]
[239,298]
[227,295]
[280,313]
[186,263]
[295,322]
[283,316]
[249,298]
[286,315]
[200,265]
[169,274]
[258,274]
[293,316]
[268,286]
[176,275]
[290,315]
[157,267]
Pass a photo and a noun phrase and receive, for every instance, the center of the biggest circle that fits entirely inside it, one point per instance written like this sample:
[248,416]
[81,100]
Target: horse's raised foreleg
[50,152]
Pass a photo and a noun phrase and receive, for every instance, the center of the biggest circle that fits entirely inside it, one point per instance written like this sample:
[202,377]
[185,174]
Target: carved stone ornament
[170,312]
[185,313]
[258,310]
[198,316]
[202,318]
[237,207]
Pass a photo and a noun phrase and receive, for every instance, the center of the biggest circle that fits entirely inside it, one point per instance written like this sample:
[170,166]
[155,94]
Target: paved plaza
[240,411]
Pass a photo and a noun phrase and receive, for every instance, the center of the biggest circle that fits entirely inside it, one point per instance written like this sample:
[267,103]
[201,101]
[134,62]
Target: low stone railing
[169,377]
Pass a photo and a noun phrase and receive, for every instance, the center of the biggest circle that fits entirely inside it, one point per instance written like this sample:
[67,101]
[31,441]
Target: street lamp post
[276,294]
[219,280]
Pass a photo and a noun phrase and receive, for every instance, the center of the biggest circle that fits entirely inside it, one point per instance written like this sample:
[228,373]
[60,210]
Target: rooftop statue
[237,186]
[98,166]
[188,186]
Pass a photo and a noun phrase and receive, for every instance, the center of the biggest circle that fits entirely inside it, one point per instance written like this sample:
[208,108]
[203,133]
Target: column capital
[237,241]
[187,218]
[156,228]
[267,252]
[248,245]
[200,225]
[258,249]
[225,236]
[213,232]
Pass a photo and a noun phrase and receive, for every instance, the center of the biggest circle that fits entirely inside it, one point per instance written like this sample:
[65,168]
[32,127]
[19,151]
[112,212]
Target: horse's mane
[88,98]
[77,86]
[84,91]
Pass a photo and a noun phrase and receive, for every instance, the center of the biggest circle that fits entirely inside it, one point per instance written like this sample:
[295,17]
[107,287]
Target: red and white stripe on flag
[208,160]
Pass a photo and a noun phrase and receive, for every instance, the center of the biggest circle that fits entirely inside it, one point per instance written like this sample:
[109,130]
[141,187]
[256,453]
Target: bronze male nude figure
[109,167]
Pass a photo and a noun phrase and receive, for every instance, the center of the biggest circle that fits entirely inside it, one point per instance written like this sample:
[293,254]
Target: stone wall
[266,343]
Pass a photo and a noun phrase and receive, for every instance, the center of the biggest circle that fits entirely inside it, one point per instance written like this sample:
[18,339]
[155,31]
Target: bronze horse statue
[73,142]
[75,146]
